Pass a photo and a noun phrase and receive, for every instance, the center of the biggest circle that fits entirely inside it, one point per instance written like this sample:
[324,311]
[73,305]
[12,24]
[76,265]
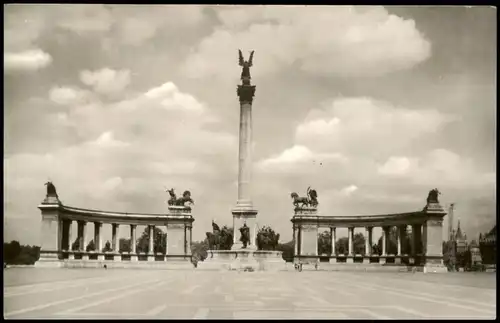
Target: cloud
[30,60]
[296,158]
[67,95]
[123,153]
[107,140]
[366,41]
[106,80]
[347,191]
[395,166]
[365,125]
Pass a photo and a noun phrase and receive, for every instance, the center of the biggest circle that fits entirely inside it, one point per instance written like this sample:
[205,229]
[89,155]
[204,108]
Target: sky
[371,106]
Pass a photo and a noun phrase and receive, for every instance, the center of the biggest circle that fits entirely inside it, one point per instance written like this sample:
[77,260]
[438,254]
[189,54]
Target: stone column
[350,235]
[83,247]
[98,240]
[69,235]
[245,149]
[114,237]
[424,239]
[71,255]
[334,241]
[151,256]
[244,211]
[133,250]
[368,246]
[97,236]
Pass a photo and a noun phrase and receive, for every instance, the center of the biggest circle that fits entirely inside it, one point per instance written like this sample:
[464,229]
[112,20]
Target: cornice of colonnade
[310,217]
[176,214]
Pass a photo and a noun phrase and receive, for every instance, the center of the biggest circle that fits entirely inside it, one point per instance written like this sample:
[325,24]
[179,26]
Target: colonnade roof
[365,220]
[117,217]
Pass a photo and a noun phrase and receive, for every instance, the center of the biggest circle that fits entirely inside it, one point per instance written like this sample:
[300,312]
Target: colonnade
[425,247]
[58,235]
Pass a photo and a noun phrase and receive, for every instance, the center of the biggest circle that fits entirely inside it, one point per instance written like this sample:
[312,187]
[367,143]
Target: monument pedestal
[243,260]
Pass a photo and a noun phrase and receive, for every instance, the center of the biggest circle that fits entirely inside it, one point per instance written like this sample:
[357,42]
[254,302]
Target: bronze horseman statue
[310,200]
[181,201]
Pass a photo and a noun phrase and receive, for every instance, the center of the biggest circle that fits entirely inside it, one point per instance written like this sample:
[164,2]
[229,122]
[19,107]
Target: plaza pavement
[153,294]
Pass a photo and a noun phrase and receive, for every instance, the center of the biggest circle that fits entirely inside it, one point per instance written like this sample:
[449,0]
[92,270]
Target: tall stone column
[402,239]
[133,250]
[151,242]
[97,236]
[114,233]
[384,241]
[368,246]
[350,239]
[69,235]
[333,238]
[83,245]
[244,212]
[151,239]
[71,255]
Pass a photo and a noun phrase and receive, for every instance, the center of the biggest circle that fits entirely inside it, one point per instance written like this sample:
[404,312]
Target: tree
[267,239]
[324,243]
[11,251]
[342,246]
[287,249]
[358,244]
[124,245]
[392,244]
[75,245]
[107,247]
[90,246]
[160,239]
[199,250]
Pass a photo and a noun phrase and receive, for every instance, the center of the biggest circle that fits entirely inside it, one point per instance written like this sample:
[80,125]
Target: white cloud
[347,191]
[107,140]
[296,157]
[30,60]
[360,41]
[106,80]
[395,166]
[112,183]
[67,95]
[116,152]
[366,125]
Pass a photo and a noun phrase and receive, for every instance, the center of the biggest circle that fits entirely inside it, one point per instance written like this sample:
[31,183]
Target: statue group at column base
[243,260]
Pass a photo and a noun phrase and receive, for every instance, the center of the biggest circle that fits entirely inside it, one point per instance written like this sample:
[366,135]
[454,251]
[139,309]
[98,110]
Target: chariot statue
[310,200]
[186,198]
[433,196]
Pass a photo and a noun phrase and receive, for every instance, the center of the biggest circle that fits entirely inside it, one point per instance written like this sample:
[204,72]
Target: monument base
[243,260]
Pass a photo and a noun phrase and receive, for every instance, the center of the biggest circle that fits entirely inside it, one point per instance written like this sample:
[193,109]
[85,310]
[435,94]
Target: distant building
[488,247]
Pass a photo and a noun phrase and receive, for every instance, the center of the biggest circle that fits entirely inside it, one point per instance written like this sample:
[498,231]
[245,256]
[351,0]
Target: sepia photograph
[249,162]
